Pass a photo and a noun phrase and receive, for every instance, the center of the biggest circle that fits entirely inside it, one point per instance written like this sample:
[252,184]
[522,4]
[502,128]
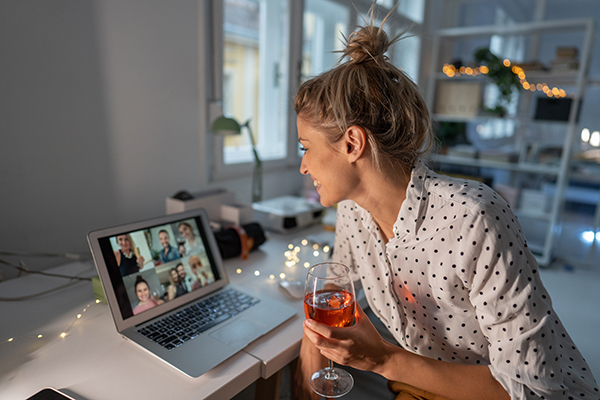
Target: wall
[101,118]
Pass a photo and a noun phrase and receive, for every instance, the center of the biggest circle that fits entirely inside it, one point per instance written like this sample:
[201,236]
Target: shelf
[461,118]
[524,127]
[518,29]
[521,213]
[482,163]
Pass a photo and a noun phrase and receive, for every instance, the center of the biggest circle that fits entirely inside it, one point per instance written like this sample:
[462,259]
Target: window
[256,69]
[255,77]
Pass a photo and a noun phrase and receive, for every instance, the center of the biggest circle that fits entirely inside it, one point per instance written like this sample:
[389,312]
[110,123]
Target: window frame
[219,171]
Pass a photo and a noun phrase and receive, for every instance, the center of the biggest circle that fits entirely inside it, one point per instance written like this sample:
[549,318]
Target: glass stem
[330,372]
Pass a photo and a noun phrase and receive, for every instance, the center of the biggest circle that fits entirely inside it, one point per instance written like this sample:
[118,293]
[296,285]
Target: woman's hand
[359,346]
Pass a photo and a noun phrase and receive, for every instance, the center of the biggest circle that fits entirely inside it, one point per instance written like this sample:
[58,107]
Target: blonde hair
[370,92]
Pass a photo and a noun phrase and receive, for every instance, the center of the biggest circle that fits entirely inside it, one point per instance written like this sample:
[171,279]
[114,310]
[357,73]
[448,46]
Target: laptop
[169,293]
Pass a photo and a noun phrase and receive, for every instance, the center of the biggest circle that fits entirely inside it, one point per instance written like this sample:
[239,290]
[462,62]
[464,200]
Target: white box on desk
[211,200]
[237,213]
[287,213]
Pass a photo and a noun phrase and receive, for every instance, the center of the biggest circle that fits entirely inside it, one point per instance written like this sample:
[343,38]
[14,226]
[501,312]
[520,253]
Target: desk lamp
[225,126]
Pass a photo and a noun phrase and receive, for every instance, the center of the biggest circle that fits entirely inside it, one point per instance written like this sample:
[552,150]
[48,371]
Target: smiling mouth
[316,183]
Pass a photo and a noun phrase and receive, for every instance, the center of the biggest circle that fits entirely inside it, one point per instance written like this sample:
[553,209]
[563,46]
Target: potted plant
[503,76]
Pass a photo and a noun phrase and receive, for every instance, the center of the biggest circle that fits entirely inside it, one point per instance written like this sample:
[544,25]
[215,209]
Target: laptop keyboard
[176,329]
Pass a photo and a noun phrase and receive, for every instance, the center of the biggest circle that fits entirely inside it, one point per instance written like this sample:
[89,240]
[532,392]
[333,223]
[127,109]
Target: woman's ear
[355,142]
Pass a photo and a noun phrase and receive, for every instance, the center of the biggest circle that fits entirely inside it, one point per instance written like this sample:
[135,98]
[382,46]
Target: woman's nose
[303,169]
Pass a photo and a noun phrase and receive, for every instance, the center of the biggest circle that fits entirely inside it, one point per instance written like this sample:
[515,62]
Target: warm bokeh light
[451,71]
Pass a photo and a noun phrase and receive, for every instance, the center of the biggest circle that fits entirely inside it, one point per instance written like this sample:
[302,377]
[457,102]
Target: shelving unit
[444,41]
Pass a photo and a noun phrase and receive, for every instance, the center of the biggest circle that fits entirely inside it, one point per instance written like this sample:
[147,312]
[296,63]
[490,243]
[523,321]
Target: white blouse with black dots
[457,283]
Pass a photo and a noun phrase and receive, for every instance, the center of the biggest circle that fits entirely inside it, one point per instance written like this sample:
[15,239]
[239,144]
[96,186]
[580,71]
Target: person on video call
[127,261]
[443,262]
[192,242]
[202,278]
[184,280]
[181,248]
[142,291]
[175,289]
[168,252]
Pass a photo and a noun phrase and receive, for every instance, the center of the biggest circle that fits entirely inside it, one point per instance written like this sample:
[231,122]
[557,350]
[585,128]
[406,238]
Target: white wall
[101,118]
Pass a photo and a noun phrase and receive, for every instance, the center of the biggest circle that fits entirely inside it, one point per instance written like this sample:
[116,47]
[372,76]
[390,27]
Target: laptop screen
[155,265]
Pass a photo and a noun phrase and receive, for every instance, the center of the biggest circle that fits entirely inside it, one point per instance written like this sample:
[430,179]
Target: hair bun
[368,43]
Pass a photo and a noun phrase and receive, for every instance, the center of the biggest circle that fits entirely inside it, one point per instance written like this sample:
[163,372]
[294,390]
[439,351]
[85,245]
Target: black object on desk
[239,241]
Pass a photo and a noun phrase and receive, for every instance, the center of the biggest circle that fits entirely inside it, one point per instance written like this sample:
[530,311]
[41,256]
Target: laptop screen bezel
[94,240]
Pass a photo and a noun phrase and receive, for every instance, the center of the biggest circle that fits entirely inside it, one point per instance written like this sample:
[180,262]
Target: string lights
[451,71]
[62,335]
[298,254]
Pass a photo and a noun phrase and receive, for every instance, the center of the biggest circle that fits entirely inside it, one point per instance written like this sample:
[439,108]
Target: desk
[94,362]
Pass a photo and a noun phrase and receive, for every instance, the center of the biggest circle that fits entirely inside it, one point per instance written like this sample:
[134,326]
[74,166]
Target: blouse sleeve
[512,306]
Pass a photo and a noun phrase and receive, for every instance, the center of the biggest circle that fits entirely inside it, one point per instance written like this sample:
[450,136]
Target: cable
[26,270]
[36,294]
[74,280]
[71,256]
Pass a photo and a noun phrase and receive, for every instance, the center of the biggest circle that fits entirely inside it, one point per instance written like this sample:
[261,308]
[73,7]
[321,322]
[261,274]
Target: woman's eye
[304,149]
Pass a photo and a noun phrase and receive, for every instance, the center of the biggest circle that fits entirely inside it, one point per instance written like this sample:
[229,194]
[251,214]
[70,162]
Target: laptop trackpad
[239,333]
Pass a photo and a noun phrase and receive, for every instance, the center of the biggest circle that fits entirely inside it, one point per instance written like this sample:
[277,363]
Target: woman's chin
[324,202]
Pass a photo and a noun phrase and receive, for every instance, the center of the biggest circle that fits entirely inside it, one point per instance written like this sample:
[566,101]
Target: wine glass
[329,299]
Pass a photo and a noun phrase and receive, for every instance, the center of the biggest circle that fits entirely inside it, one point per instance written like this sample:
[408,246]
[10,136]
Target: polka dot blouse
[457,283]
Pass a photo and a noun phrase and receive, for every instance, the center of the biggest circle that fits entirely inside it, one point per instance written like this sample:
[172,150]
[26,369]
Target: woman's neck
[383,196]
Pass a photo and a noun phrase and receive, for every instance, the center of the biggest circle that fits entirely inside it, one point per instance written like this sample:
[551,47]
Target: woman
[192,243]
[442,261]
[127,261]
[142,291]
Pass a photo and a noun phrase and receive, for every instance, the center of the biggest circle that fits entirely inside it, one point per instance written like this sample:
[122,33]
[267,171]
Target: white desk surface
[94,362]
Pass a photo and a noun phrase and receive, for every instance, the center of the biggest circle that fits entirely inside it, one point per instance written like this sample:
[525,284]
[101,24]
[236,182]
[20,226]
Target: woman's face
[174,276]
[186,232]
[142,291]
[123,242]
[327,165]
